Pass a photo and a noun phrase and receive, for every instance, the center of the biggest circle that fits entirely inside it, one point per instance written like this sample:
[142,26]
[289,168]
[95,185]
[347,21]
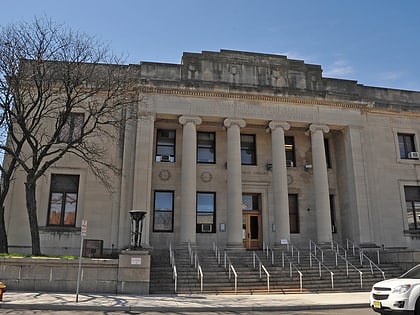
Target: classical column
[321,190]
[126,190]
[279,171]
[142,183]
[234,182]
[188,178]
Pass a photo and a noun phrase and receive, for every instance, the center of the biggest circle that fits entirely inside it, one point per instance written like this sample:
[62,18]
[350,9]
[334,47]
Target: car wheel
[417,309]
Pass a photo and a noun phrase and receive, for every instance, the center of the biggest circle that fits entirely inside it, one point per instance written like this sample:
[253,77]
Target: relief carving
[206,177]
[165,175]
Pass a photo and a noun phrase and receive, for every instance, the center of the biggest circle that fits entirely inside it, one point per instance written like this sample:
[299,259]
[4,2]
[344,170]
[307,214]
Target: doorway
[251,230]
[251,221]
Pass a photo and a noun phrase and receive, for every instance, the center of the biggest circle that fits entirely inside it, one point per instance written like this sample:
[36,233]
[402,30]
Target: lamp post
[137,217]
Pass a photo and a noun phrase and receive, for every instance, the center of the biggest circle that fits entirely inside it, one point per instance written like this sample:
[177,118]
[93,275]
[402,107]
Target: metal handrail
[190,253]
[292,248]
[216,253]
[291,266]
[172,262]
[226,260]
[267,249]
[320,263]
[200,275]
[336,248]
[261,267]
[363,256]
[312,244]
[229,264]
[194,261]
[354,247]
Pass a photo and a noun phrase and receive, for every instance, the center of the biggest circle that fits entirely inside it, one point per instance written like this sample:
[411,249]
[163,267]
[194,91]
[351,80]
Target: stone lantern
[136,228]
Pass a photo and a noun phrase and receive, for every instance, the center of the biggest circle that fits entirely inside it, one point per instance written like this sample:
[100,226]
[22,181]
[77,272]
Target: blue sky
[375,42]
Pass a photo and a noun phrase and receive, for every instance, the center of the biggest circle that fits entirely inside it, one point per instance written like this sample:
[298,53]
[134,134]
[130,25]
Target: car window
[413,273]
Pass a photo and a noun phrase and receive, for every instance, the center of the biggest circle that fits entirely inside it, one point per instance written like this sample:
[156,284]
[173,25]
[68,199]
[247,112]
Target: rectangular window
[289,146]
[165,145]
[406,145]
[248,150]
[412,200]
[333,214]
[251,202]
[206,147]
[327,152]
[63,200]
[206,212]
[163,216]
[293,213]
[72,129]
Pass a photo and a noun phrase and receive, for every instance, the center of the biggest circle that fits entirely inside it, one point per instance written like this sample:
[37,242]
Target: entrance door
[251,230]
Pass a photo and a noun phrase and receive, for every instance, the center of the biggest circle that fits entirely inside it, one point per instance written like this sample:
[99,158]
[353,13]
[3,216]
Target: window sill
[409,161]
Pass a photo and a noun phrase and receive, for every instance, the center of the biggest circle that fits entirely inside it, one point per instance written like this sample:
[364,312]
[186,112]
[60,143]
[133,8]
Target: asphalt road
[359,311]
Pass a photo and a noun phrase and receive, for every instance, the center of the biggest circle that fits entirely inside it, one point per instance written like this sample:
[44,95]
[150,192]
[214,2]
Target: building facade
[241,149]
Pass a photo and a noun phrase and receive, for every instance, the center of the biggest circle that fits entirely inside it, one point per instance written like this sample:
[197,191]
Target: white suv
[399,295]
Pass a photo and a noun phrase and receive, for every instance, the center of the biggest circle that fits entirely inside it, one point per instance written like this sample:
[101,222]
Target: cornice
[363,106]
[391,112]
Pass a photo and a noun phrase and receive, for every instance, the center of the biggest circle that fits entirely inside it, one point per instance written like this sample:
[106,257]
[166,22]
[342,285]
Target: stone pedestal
[134,272]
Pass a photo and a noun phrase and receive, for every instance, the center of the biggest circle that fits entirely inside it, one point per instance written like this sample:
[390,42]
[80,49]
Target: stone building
[240,148]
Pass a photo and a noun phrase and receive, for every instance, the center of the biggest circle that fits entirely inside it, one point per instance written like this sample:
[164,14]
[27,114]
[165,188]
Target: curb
[79,307]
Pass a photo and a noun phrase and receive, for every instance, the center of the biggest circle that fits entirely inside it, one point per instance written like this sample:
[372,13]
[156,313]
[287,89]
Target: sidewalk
[183,303]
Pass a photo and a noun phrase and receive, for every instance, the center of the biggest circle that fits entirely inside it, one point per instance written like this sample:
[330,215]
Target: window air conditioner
[413,155]
[206,227]
[289,163]
[167,158]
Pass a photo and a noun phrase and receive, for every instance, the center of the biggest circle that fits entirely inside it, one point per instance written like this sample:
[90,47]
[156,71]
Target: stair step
[216,279]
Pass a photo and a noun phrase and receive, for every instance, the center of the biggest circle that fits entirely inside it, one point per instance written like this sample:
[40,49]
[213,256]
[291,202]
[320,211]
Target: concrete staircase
[216,279]
[161,275]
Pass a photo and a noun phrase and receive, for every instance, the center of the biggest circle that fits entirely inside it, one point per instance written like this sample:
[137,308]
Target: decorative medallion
[206,177]
[165,175]
[289,179]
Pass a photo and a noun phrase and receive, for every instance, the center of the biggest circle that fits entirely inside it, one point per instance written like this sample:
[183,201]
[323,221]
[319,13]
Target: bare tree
[66,92]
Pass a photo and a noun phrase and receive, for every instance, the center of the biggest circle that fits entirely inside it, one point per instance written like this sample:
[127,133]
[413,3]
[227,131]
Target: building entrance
[251,230]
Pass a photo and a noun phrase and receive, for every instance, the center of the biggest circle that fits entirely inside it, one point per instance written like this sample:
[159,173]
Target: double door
[251,229]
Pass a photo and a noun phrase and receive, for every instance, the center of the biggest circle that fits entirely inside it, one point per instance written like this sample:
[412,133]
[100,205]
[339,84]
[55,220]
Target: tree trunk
[30,189]
[4,246]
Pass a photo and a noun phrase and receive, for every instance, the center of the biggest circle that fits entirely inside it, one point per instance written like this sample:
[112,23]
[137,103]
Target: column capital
[273,125]
[231,122]
[315,127]
[186,119]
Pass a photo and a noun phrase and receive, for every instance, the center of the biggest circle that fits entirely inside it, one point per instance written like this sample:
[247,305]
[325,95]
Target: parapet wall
[60,275]
[406,259]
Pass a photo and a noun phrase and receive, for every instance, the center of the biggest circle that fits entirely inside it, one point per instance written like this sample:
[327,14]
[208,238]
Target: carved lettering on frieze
[258,172]
[245,110]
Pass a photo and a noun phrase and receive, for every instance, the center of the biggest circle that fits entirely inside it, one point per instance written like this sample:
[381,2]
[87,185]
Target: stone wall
[128,275]
[405,258]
